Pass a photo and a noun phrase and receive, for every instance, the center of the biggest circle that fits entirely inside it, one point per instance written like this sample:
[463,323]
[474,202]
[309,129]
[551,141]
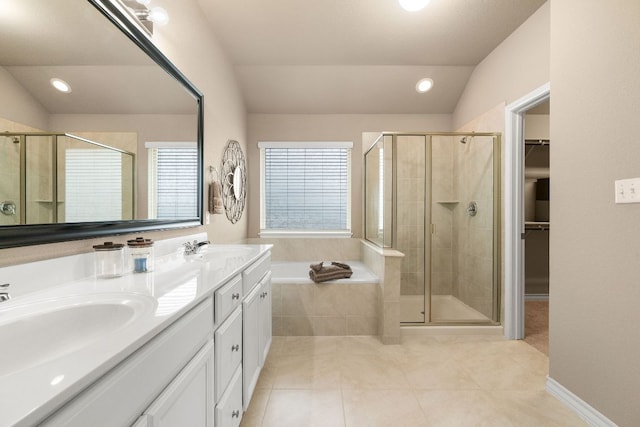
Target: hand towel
[215,199]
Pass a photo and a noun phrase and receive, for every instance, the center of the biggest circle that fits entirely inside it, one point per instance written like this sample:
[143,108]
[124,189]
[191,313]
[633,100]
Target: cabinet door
[188,400]
[265,318]
[250,344]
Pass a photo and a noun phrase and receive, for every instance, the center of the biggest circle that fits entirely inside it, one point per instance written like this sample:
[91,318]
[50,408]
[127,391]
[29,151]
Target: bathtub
[298,272]
[301,307]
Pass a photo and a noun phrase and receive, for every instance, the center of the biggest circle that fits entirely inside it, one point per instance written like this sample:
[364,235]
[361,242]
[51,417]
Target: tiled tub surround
[384,263]
[338,307]
[174,288]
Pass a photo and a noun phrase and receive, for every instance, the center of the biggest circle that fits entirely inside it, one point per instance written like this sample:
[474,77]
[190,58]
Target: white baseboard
[536,297]
[577,405]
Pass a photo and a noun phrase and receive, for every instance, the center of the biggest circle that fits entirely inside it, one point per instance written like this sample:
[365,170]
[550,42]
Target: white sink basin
[40,331]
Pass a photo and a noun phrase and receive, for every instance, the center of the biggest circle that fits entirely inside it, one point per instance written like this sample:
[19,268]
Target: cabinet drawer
[228,350]
[229,409]
[227,298]
[252,275]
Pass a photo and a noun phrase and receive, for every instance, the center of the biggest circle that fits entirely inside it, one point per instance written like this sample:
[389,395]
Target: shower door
[10,202]
[446,222]
[463,284]
[411,196]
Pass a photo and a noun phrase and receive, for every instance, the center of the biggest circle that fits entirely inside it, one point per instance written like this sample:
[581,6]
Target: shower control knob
[8,207]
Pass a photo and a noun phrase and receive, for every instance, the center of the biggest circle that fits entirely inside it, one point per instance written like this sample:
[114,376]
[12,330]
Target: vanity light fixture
[158,15]
[413,5]
[424,85]
[143,15]
[61,85]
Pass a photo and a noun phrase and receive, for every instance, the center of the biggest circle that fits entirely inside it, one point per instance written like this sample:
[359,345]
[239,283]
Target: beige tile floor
[425,381]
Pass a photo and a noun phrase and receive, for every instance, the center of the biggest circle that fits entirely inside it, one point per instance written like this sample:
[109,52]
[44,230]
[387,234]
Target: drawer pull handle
[235,296]
[235,414]
[235,347]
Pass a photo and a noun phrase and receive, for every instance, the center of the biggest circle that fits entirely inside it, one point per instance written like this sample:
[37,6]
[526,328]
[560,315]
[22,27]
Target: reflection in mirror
[65,178]
[90,155]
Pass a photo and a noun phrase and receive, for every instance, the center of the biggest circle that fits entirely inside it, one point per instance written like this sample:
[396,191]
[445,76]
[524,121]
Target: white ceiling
[107,72]
[358,56]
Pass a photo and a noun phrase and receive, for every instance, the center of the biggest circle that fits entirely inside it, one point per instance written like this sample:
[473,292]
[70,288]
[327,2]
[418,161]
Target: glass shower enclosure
[435,197]
[56,178]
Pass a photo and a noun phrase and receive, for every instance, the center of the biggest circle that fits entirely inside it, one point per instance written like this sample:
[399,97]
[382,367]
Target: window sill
[305,233]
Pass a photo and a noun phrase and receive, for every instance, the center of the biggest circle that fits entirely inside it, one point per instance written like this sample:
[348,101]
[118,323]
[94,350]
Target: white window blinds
[173,182]
[306,187]
[93,185]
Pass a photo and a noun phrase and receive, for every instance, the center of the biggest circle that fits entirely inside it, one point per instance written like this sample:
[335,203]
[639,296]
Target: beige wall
[344,127]
[192,47]
[517,66]
[595,285]
[23,108]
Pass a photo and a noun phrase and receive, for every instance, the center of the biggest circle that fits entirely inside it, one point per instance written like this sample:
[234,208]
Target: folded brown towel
[316,267]
[333,272]
[339,264]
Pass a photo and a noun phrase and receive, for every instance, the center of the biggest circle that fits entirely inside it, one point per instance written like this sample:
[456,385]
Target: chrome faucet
[192,248]
[4,295]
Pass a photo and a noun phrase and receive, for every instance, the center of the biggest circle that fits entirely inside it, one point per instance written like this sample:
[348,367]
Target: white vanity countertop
[61,363]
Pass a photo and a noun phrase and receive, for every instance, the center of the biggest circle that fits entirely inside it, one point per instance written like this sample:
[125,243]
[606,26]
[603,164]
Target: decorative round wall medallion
[234,181]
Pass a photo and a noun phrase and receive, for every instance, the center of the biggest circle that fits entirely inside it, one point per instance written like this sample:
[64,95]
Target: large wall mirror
[121,152]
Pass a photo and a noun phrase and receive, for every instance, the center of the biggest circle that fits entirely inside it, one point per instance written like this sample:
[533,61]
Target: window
[306,188]
[93,181]
[173,180]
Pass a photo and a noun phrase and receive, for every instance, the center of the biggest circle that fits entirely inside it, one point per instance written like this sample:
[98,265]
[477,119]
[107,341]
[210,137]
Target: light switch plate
[627,190]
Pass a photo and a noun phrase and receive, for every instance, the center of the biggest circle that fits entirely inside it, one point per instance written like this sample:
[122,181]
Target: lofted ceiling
[358,56]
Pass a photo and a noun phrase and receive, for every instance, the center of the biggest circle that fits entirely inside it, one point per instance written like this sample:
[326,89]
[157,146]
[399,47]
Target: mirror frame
[35,234]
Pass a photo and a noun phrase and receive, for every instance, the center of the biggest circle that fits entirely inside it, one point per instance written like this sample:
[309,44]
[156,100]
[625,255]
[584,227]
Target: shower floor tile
[443,308]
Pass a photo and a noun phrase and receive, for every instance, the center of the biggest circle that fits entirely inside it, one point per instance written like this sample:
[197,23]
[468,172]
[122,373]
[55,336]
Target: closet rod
[536,142]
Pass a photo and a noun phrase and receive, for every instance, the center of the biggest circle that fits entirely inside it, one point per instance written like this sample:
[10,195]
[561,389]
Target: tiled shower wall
[410,152]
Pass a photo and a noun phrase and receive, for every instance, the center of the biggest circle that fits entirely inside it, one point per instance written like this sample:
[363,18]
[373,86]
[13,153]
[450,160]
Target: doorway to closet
[537,226]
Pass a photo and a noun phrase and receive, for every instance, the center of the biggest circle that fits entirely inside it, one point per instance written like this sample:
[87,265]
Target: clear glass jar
[109,260]
[141,251]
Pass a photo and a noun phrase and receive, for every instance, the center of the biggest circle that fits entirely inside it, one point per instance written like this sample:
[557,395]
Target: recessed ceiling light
[424,85]
[61,85]
[413,5]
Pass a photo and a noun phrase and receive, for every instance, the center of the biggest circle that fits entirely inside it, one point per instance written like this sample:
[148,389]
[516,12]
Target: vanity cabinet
[174,362]
[200,371]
